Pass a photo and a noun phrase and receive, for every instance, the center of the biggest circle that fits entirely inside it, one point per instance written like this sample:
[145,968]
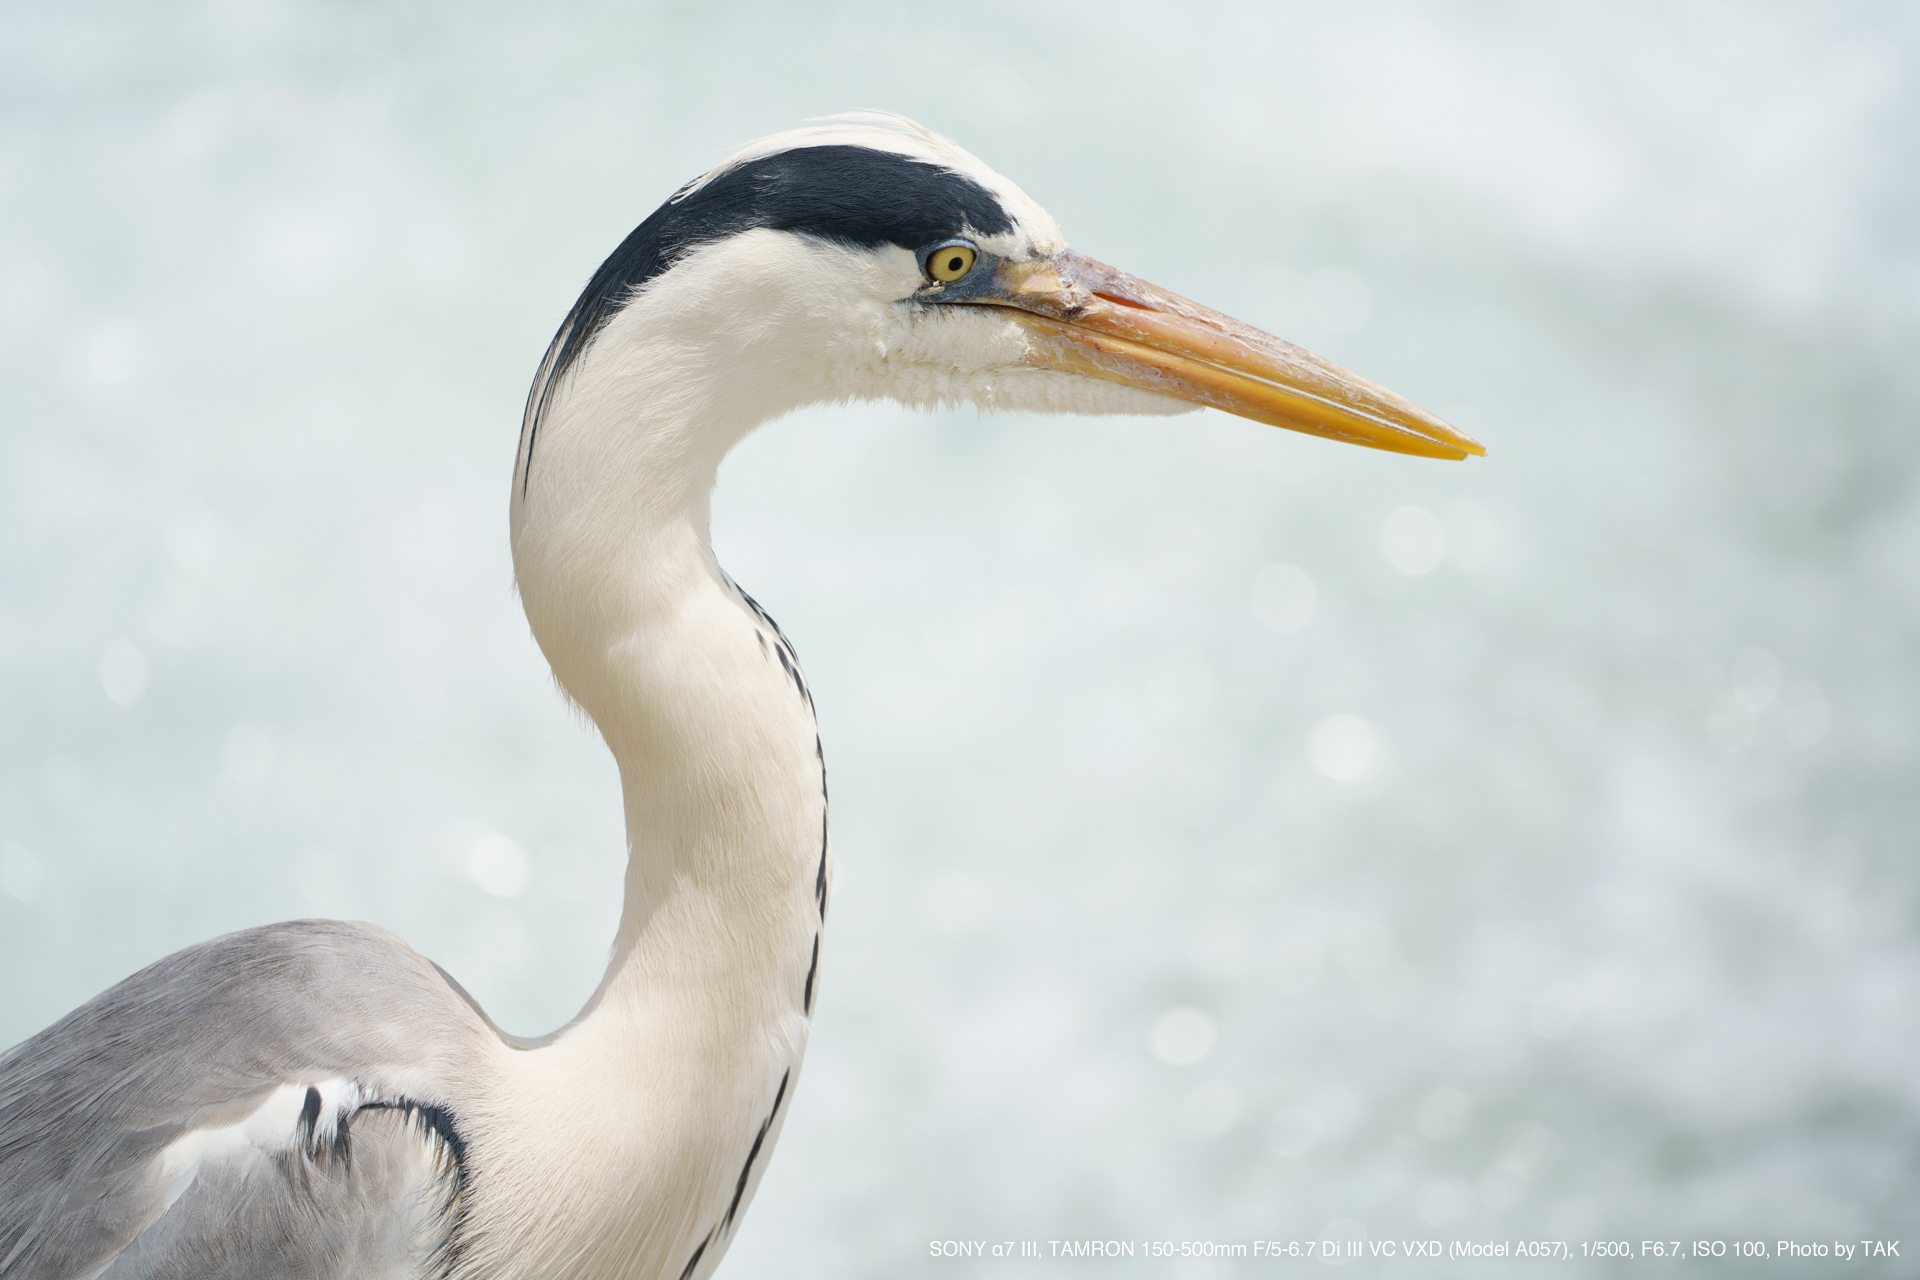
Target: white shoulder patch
[286,1118]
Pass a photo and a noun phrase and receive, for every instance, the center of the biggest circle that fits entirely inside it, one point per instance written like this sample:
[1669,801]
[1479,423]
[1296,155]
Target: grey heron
[316,1098]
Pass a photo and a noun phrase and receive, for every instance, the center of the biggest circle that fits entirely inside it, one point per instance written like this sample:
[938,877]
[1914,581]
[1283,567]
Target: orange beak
[1085,317]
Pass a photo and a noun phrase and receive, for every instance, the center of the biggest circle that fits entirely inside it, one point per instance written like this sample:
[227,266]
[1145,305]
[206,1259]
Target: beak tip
[1449,436]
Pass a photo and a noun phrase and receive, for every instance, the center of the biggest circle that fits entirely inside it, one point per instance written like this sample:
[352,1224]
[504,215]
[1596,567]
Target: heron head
[868,258]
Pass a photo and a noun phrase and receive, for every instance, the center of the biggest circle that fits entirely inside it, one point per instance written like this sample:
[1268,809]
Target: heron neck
[695,691]
[687,1052]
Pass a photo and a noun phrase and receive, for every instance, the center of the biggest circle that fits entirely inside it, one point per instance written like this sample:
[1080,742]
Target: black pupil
[953,263]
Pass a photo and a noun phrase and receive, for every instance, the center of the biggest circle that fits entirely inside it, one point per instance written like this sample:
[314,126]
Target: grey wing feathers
[197,1042]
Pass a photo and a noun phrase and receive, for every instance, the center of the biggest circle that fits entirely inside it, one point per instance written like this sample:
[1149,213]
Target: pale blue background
[1617,940]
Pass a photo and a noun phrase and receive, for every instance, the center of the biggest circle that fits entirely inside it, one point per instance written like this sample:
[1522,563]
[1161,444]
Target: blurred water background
[1239,837]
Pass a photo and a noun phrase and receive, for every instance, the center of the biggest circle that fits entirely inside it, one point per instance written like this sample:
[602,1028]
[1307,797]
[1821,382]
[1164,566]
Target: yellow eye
[949,262]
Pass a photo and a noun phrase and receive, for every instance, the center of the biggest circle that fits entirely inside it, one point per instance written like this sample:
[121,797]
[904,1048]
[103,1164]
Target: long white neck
[658,1107]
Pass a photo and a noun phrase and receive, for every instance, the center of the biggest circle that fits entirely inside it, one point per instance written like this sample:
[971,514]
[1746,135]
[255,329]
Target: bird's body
[317,1099]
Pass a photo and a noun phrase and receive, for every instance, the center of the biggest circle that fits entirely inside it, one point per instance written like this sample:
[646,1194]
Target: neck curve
[662,1100]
